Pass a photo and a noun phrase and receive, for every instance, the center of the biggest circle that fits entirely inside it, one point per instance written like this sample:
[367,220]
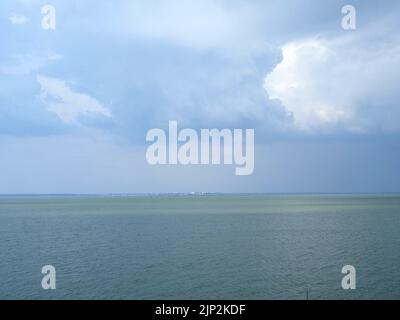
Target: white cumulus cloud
[347,83]
[67,104]
[18,19]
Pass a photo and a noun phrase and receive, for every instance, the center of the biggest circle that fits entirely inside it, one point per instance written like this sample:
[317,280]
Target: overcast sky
[76,102]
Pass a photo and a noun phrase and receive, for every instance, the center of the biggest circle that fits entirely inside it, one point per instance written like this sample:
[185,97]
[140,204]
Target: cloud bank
[347,83]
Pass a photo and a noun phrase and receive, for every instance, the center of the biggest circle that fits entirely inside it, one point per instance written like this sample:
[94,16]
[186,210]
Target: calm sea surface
[200,247]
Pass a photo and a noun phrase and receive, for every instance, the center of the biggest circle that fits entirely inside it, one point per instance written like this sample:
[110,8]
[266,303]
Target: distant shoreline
[198,194]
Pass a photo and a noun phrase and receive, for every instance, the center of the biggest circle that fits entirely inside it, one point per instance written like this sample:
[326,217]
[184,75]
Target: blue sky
[76,102]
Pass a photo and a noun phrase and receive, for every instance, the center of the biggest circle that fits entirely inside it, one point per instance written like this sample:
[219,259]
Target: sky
[76,102]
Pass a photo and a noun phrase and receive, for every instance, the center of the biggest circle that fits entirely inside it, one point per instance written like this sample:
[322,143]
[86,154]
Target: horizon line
[200,193]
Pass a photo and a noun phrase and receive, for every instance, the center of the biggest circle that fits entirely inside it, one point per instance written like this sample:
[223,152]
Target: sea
[200,246]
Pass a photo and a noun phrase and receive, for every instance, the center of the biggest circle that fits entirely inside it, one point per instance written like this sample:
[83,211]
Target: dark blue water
[203,247]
